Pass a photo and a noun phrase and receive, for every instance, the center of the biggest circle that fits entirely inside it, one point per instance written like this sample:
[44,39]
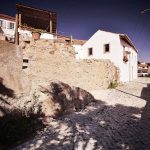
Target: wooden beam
[71,39]
[17,33]
[19,19]
[51,26]
[25,8]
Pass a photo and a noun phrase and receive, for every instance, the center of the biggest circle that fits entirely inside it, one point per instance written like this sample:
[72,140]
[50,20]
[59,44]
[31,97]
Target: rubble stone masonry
[46,60]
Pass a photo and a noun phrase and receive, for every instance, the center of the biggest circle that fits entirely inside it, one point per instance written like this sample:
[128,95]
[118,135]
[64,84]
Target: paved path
[119,120]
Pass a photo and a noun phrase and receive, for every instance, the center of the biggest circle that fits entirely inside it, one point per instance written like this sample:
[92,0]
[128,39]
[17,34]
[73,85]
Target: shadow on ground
[16,125]
[99,126]
[4,90]
[5,93]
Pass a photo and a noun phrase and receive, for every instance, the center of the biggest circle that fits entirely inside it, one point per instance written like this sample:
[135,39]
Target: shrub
[113,85]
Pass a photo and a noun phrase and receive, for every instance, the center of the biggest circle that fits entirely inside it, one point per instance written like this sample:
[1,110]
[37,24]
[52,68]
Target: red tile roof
[7,17]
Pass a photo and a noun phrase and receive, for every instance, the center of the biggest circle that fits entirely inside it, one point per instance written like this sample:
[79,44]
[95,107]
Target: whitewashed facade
[78,51]
[28,34]
[116,47]
[7,25]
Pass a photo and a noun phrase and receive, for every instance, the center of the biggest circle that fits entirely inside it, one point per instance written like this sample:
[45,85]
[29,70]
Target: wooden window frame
[11,24]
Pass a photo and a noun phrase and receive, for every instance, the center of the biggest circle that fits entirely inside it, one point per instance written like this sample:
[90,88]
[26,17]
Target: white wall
[78,51]
[97,42]
[129,71]
[27,33]
[47,36]
[24,33]
[9,33]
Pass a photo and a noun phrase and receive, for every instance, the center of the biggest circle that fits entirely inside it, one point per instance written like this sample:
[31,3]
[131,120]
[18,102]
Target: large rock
[59,98]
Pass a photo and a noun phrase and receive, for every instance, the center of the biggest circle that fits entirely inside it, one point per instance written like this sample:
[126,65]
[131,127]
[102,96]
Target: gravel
[118,120]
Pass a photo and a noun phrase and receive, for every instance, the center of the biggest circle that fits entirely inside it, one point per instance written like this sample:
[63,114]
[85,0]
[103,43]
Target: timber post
[51,25]
[17,26]
[71,39]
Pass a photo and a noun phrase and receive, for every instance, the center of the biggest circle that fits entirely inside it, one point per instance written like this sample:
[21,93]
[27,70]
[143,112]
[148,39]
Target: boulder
[59,98]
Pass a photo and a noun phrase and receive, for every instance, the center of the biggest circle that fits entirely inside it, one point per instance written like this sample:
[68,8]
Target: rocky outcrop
[63,99]
[53,99]
[11,68]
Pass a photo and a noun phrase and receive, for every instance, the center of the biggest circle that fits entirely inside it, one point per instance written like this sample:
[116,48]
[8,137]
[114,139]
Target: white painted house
[7,25]
[116,47]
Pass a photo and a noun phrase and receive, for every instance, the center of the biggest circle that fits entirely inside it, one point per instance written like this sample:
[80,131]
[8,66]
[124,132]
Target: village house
[112,46]
[28,21]
[143,66]
[31,20]
[7,27]
[143,69]
[117,48]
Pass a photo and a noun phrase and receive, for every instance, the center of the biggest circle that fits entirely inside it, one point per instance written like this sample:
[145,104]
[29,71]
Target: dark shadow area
[96,126]
[100,126]
[5,94]
[145,117]
[4,90]
[4,101]
[26,60]
[24,67]
[1,31]
[143,134]
[68,98]
[103,126]
[17,126]
[145,93]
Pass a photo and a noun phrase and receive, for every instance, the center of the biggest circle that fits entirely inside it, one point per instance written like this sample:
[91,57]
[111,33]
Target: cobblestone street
[118,120]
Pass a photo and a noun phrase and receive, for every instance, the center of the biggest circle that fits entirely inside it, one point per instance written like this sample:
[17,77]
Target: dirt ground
[118,120]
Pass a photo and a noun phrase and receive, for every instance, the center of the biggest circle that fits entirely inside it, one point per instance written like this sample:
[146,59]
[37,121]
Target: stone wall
[11,73]
[46,60]
[10,66]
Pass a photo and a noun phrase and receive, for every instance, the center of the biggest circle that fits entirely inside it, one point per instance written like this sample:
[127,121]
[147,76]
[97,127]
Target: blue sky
[82,18]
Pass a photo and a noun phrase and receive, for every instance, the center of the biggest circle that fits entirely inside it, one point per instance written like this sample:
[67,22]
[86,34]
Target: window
[90,51]
[11,25]
[106,48]
[68,41]
[1,23]
[125,56]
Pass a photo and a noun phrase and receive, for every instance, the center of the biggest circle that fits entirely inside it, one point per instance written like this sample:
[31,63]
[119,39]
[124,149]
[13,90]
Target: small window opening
[25,60]
[25,63]
[11,25]
[90,51]
[106,48]
[68,41]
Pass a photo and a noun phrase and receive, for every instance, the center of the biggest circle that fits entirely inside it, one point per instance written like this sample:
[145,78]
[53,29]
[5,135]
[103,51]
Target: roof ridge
[8,17]
[110,32]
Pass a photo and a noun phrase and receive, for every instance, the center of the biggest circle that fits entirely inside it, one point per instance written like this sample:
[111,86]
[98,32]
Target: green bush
[113,85]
